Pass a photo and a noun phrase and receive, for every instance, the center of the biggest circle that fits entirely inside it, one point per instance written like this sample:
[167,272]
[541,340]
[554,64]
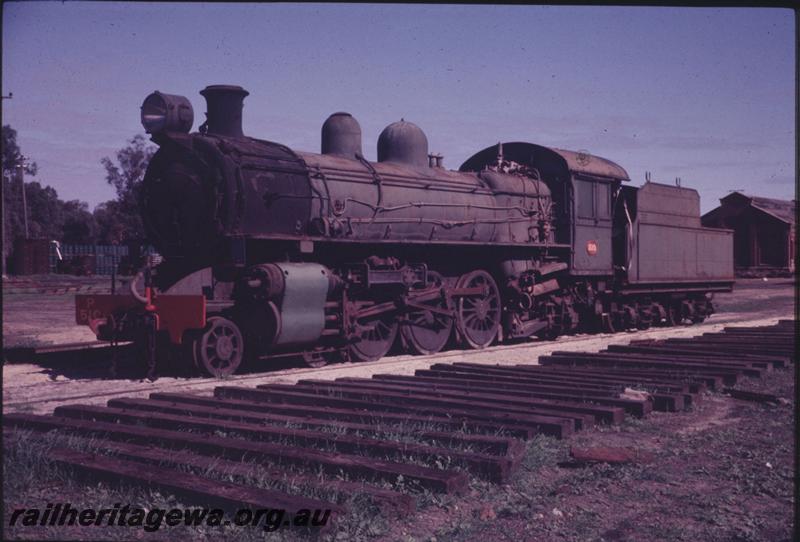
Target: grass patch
[31,480]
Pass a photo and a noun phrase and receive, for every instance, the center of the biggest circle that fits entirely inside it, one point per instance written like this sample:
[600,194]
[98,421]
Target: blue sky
[704,94]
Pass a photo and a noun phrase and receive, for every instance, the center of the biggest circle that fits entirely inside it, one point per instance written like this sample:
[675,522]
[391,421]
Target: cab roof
[547,158]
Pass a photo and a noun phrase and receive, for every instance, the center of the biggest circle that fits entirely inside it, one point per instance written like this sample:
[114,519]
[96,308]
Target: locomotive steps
[392,436]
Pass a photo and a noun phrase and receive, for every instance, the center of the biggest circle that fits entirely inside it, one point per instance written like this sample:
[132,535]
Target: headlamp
[166,113]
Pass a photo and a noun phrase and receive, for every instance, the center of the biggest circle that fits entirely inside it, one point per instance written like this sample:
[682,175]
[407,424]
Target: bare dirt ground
[722,471]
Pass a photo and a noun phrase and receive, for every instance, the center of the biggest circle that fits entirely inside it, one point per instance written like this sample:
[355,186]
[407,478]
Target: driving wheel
[478,315]
[426,331]
[376,339]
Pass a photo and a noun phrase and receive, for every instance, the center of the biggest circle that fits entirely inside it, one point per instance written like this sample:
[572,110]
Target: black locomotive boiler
[270,251]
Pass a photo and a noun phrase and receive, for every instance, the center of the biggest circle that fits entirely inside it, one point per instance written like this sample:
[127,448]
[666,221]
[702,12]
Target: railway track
[87,376]
[433,430]
[58,353]
[70,285]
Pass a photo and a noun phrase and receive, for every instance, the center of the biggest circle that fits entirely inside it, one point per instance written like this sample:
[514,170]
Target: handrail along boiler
[271,251]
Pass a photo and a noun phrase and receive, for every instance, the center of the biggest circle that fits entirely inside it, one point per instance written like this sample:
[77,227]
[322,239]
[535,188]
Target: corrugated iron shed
[764,232]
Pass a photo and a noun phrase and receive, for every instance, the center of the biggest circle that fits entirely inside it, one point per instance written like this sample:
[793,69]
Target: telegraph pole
[3,242]
[21,170]
[3,201]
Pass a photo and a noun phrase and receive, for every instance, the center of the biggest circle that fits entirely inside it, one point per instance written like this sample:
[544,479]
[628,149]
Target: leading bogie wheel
[219,348]
[478,315]
[318,358]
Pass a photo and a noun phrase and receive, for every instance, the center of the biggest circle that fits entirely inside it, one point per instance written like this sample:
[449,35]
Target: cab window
[603,200]
[584,198]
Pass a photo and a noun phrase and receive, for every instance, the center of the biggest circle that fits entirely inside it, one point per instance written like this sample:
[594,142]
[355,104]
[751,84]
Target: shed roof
[784,210]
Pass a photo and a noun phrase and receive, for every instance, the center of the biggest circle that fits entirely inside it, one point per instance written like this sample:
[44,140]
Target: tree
[116,224]
[71,222]
[80,226]
[12,156]
[48,216]
[120,220]
[45,212]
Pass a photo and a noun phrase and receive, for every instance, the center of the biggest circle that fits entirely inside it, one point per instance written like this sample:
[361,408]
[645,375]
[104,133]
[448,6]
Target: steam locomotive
[270,251]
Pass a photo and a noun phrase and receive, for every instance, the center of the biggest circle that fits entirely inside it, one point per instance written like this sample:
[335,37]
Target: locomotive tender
[270,251]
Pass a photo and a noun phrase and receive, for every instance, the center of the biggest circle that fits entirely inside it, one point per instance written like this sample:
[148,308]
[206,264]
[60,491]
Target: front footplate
[118,317]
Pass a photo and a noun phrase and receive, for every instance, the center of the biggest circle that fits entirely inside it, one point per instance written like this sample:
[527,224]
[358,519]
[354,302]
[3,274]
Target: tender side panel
[715,253]
[673,253]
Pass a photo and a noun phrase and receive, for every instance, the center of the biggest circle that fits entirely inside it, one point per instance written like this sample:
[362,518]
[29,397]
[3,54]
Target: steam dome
[403,142]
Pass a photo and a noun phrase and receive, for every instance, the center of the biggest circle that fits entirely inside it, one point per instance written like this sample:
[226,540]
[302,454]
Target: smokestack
[224,104]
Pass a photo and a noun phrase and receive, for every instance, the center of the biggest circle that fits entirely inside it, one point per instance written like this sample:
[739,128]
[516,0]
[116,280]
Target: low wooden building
[31,256]
[765,233]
